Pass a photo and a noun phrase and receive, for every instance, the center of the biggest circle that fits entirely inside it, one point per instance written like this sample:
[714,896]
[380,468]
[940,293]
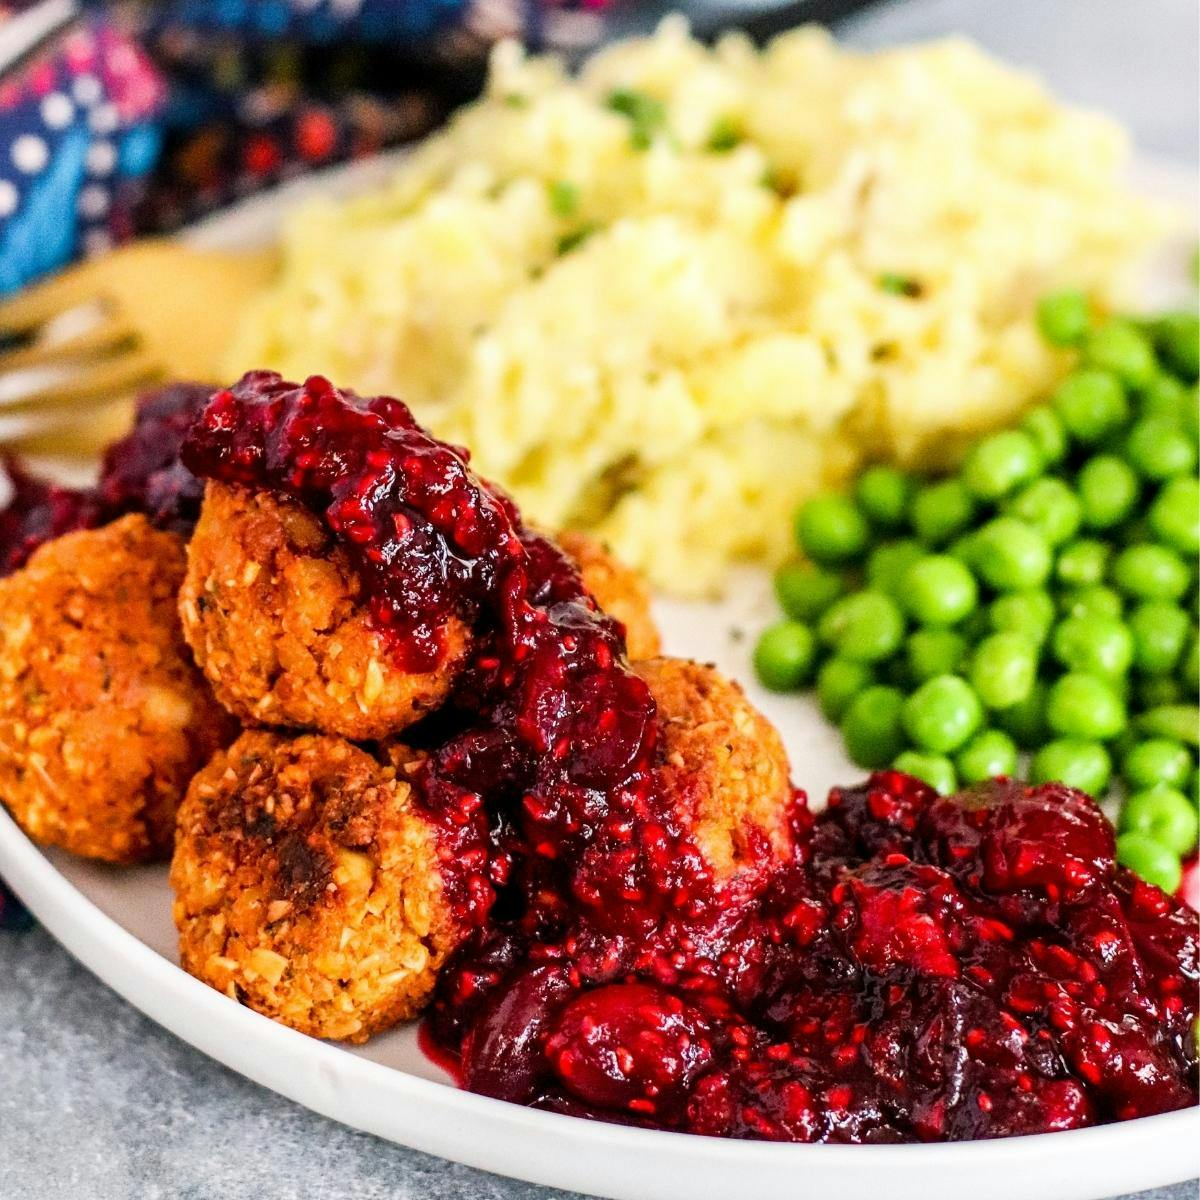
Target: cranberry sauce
[919,968]
[37,511]
[141,473]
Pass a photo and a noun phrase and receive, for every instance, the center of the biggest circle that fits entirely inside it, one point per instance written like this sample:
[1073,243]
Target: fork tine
[34,306]
[106,335]
[65,435]
[87,388]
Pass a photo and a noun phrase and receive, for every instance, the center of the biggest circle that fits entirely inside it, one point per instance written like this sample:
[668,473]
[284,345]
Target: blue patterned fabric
[79,134]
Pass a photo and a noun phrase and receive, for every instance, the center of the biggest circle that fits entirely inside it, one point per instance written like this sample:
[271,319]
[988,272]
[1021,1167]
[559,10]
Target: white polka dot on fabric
[345,8]
[57,111]
[30,153]
[101,158]
[9,196]
[97,241]
[104,119]
[87,90]
[93,201]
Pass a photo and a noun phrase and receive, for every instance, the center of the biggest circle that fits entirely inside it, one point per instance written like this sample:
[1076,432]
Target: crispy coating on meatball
[724,762]
[619,590]
[103,717]
[307,886]
[272,610]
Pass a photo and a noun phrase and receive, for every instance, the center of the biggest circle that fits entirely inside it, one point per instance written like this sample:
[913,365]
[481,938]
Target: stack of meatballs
[213,689]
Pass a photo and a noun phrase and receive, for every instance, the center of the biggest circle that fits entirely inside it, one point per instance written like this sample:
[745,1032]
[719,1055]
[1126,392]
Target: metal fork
[72,348]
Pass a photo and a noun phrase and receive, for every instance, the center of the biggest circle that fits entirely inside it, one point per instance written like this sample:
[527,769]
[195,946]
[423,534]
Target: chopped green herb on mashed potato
[668,298]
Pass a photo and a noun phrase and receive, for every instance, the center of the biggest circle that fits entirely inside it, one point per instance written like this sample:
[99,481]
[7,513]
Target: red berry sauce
[36,512]
[141,473]
[921,968]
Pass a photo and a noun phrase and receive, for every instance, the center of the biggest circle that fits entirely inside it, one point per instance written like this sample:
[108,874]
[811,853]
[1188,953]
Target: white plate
[118,924]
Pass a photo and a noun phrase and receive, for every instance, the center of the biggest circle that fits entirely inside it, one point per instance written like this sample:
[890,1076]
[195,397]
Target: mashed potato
[668,298]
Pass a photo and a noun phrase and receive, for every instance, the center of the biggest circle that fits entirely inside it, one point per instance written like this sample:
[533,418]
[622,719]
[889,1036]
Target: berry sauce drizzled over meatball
[647,947]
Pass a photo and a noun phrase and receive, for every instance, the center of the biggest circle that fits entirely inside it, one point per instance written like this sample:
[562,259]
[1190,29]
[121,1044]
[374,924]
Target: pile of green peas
[1041,601]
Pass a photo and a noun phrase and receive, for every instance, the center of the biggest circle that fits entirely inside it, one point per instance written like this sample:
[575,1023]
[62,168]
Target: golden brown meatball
[271,608]
[723,760]
[619,590]
[306,886]
[103,717]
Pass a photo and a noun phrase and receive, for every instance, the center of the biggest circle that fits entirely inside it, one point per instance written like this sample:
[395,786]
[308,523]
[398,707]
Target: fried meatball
[307,887]
[723,761]
[272,609]
[619,590]
[103,717]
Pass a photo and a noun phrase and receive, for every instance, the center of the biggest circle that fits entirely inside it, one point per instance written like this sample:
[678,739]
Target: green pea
[1003,669]
[1159,633]
[1179,722]
[883,494]
[1043,424]
[1108,490]
[1077,763]
[784,656]
[864,626]
[987,755]
[938,591]
[805,591]
[1011,555]
[1164,397]
[1158,691]
[1122,349]
[838,681]
[1026,721]
[874,628]
[1064,317]
[1082,563]
[1164,813]
[1157,761]
[829,529]
[934,769]
[933,652]
[1090,403]
[1084,706]
[941,510]
[1191,662]
[1050,507]
[1177,336]
[1030,613]
[942,714]
[1093,644]
[1150,572]
[871,727]
[1000,463]
[1175,515]
[888,562]
[1096,600]
[1150,860]
[1159,449]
